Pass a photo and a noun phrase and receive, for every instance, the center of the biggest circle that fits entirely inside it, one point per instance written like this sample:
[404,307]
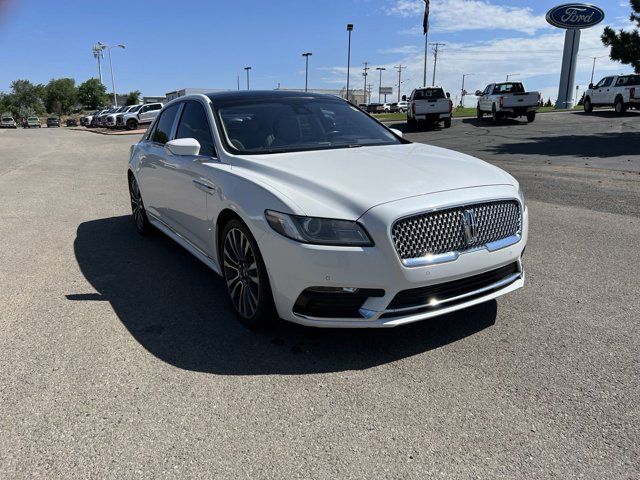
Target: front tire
[479,113]
[620,107]
[132,124]
[531,117]
[588,106]
[245,275]
[137,208]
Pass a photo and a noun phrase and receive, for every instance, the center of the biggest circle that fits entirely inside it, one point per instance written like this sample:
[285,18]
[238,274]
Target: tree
[133,98]
[548,104]
[92,94]
[61,95]
[26,97]
[625,45]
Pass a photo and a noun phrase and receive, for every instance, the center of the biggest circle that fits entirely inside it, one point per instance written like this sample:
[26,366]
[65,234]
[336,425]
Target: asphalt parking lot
[119,357]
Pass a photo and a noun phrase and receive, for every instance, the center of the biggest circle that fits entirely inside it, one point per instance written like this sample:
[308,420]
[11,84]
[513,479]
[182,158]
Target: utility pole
[364,74]
[435,60]
[349,29]
[399,68]
[238,78]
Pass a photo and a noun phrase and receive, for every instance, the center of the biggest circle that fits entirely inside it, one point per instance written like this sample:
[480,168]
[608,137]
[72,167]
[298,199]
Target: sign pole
[568,73]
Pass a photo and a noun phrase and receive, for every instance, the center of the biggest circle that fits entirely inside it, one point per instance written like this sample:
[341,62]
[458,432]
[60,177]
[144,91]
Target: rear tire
[245,276]
[531,117]
[620,107]
[132,124]
[588,106]
[495,116]
[447,123]
[412,122]
[140,218]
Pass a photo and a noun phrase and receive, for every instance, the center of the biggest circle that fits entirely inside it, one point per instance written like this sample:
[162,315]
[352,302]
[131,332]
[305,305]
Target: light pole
[512,75]
[247,70]
[593,69]
[113,81]
[380,69]
[306,56]
[97,53]
[463,92]
[349,29]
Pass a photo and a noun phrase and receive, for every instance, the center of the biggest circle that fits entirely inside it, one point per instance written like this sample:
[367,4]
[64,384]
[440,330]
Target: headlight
[521,195]
[323,231]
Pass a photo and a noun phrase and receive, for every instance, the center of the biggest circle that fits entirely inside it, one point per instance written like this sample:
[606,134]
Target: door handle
[205,187]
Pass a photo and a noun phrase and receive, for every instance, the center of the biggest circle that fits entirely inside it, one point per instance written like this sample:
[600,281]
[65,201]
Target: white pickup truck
[429,105]
[507,100]
[621,92]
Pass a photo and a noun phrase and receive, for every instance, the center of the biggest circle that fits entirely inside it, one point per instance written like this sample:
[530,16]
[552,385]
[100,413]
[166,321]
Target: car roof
[266,95]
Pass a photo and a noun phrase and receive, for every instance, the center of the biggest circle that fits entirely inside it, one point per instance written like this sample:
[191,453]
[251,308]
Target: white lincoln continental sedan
[313,211]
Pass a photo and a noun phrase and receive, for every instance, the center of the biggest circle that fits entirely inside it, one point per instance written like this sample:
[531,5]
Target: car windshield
[290,124]
[6,119]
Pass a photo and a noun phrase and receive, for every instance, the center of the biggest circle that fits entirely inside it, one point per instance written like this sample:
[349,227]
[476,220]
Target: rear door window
[162,131]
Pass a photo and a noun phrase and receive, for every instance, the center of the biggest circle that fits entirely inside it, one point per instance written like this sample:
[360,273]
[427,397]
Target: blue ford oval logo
[575,15]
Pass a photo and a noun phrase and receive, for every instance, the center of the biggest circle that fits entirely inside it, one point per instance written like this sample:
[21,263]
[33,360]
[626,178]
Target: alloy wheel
[137,207]
[241,273]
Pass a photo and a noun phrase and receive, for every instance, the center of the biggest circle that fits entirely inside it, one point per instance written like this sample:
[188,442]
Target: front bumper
[293,267]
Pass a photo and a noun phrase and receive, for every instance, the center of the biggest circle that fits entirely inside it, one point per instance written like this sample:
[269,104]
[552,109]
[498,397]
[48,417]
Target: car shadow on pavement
[177,309]
[603,145]
[488,123]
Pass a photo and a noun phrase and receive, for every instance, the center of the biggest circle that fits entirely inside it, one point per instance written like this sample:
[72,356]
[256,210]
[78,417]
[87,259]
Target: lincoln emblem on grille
[470,227]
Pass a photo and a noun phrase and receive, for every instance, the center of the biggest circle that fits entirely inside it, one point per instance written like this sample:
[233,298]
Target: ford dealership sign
[575,15]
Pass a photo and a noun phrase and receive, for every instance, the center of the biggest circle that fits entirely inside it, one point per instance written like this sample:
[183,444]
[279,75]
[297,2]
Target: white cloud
[459,15]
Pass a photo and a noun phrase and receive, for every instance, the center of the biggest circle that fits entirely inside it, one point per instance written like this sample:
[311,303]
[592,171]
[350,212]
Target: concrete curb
[115,134]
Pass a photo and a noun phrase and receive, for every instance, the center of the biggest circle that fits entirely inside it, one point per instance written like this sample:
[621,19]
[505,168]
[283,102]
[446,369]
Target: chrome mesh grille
[443,231]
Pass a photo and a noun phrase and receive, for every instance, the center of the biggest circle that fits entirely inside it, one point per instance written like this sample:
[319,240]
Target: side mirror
[396,131]
[591,86]
[183,146]
[448,95]
[478,93]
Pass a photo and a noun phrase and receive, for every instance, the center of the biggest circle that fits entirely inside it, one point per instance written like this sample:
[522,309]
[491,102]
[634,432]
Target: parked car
[7,121]
[72,122]
[375,108]
[144,116]
[403,106]
[311,210]
[53,122]
[620,92]
[94,118]
[120,116]
[32,122]
[507,100]
[110,118]
[85,121]
[101,120]
[429,105]
[390,107]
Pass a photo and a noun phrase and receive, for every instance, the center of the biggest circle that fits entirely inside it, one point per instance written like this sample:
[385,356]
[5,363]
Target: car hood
[345,183]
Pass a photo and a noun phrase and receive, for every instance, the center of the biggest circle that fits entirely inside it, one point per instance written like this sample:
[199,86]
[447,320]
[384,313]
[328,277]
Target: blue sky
[172,44]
